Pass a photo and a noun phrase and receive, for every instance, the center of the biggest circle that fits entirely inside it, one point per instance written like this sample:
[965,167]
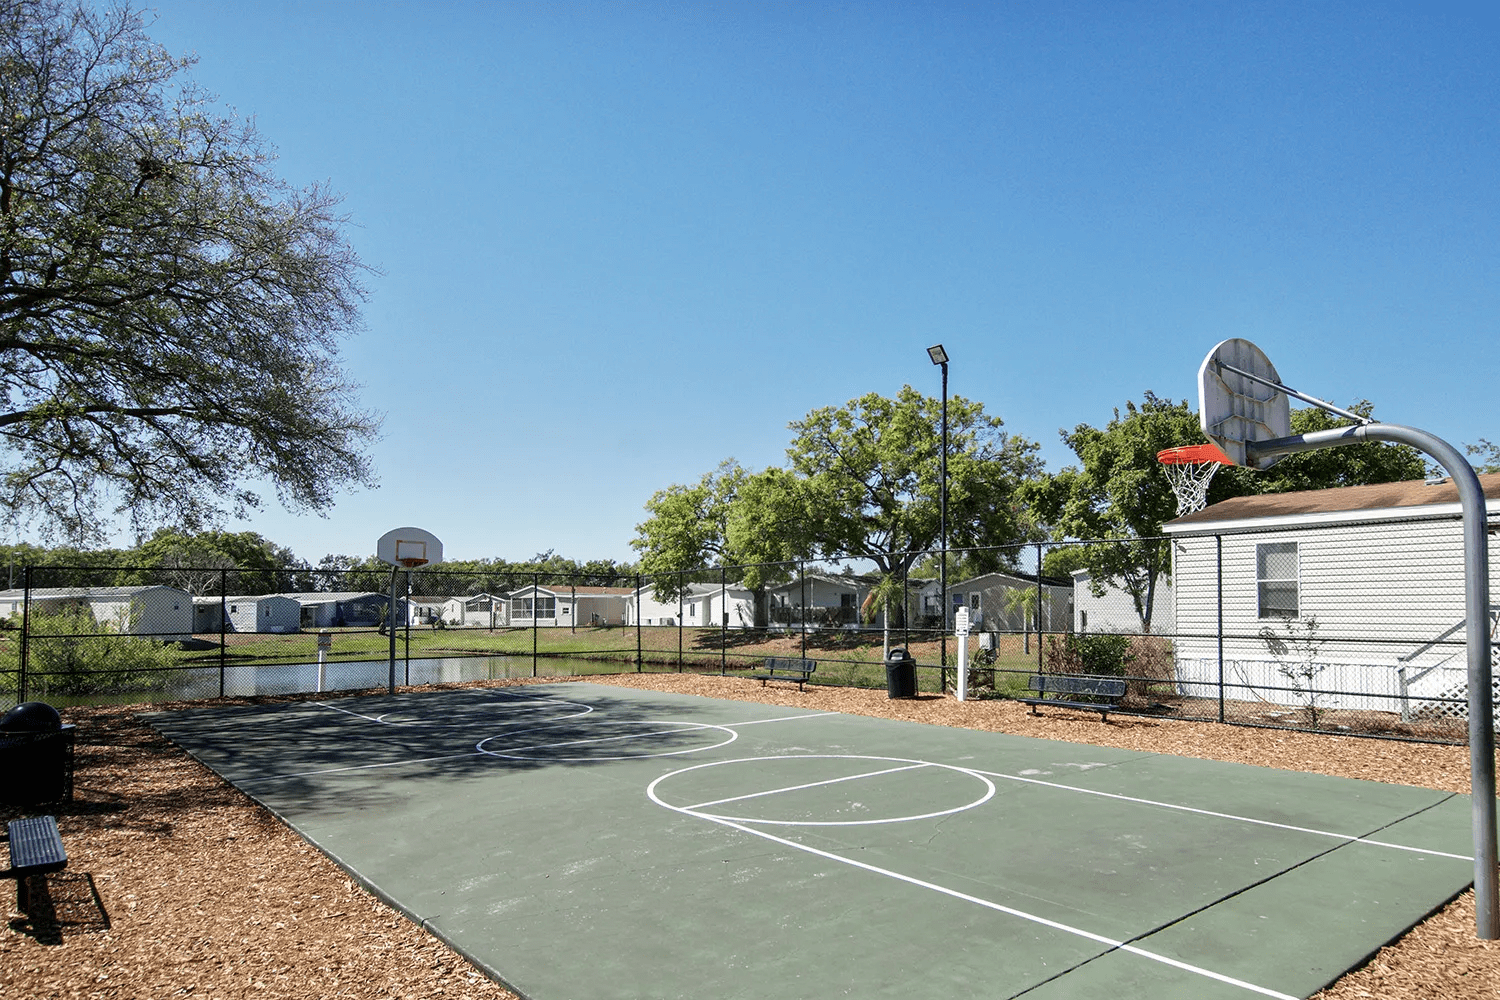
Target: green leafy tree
[1490,456]
[206,562]
[864,480]
[1118,492]
[1349,465]
[69,653]
[688,528]
[170,310]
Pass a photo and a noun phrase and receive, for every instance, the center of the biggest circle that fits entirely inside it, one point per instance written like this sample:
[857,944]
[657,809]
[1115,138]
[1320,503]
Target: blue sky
[618,243]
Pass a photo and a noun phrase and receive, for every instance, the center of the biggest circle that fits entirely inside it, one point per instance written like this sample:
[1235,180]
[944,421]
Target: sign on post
[961,627]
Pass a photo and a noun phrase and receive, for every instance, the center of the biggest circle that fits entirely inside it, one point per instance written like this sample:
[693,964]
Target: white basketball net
[1190,483]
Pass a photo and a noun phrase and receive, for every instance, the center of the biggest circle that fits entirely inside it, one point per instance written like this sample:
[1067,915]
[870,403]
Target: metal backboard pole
[1477,639]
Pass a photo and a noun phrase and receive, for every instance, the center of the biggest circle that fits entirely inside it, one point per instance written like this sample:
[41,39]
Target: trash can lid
[31,717]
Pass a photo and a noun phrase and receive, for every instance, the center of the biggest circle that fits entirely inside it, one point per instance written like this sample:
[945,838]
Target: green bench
[784,668]
[1066,690]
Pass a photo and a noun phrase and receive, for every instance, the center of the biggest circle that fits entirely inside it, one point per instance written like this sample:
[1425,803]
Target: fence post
[536,621]
[1038,608]
[802,611]
[1219,604]
[223,625]
[25,633]
[723,620]
[681,587]
[638,599]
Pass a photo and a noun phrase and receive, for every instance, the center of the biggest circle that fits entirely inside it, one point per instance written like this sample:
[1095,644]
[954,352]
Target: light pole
[940,357]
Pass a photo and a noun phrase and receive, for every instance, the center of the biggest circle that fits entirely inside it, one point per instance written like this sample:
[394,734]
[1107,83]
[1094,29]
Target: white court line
[335,708]
[1009,911]
[810,784]
[784,718]
[1229,816]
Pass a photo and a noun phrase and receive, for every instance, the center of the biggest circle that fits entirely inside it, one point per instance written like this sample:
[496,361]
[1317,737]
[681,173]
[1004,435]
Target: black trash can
[36,756]
[900,673]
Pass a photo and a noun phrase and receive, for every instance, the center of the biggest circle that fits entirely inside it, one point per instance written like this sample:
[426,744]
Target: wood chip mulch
[179,886]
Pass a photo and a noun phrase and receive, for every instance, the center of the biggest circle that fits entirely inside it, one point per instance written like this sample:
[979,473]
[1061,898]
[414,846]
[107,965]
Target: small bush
[69,653]
[1089,653]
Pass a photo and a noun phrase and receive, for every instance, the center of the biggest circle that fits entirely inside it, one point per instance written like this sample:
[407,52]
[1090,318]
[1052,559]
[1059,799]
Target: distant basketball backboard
[1235,409]
[409,547]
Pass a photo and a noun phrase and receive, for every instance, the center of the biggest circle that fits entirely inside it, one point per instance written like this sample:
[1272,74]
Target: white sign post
[325,643]
[961,627]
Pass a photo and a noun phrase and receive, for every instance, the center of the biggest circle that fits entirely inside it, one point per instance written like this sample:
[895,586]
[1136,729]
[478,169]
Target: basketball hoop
[1189,469]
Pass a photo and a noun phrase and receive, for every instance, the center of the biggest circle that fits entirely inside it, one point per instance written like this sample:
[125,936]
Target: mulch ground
[179,886]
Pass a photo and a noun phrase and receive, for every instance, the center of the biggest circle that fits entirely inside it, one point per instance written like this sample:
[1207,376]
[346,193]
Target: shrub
[1089,653]
[69,653]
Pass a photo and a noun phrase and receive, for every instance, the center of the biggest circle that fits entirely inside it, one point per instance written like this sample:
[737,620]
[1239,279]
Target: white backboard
[409,547]
[1233,409]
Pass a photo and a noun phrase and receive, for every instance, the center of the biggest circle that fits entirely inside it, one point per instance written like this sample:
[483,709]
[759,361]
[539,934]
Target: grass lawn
[849,658]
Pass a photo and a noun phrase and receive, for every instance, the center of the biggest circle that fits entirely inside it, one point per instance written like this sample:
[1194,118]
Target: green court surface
[587,841]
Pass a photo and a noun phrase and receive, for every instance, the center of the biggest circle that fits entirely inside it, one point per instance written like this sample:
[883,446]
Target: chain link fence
[1293,628]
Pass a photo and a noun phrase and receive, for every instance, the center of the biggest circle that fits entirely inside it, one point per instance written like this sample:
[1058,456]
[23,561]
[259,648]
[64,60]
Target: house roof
[215,598]
[1413,498]
[1028,579]
[851,581]
[314,597]
[85,593]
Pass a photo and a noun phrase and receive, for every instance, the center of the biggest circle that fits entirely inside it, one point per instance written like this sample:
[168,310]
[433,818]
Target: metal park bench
[1104,692]
[782,668]
[36,848]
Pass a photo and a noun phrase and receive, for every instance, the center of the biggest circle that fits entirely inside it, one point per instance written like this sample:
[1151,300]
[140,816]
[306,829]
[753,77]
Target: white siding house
[819,599]
[420,610]
[703,605]
[1378,570]
[336,610]
[1113,609]
[164,613]
[600,606]
[481,611]
[994,607]
[264,613]
[644,608]
[542,607]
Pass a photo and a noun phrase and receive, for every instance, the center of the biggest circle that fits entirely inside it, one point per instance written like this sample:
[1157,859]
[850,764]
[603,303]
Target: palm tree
[1023,600]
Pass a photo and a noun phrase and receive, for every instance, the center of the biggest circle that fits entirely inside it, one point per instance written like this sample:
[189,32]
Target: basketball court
[582,840]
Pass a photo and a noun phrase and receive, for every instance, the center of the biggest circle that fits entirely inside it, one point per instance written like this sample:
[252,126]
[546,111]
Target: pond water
[199,683]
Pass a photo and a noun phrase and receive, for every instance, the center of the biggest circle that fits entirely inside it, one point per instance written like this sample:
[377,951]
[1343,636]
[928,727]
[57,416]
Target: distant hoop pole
[1476,628]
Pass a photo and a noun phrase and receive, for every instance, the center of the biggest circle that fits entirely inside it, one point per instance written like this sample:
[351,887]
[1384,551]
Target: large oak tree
[170,310]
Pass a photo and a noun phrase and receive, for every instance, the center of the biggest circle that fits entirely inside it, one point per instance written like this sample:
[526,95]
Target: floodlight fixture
[937,354]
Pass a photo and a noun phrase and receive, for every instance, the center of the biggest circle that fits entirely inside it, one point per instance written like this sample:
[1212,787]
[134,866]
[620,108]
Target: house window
[1276,579]
[692,609]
